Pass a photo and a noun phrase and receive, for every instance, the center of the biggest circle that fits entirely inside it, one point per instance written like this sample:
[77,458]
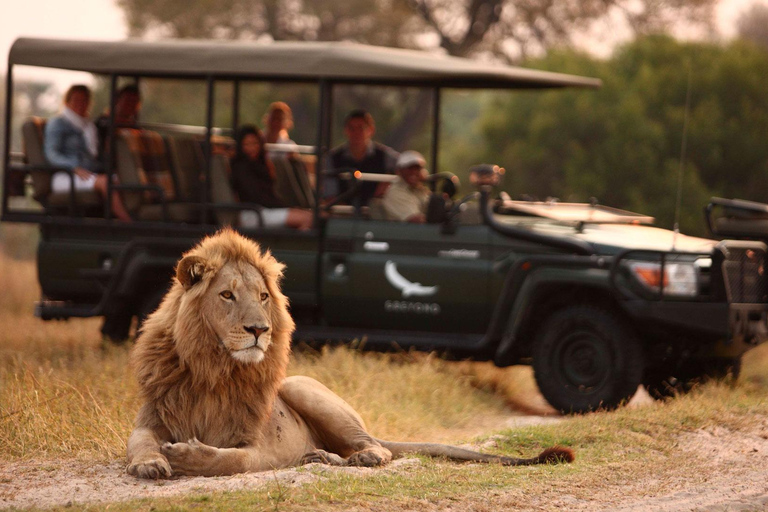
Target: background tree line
[622,143]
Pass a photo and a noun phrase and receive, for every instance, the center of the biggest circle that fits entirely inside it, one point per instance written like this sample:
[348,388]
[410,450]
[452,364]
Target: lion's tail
[553,455]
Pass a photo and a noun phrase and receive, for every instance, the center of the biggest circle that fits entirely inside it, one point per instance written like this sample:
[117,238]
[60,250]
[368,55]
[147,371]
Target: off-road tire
[586,358]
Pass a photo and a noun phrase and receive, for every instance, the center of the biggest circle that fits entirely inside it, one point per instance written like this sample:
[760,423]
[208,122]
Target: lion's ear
[190,271]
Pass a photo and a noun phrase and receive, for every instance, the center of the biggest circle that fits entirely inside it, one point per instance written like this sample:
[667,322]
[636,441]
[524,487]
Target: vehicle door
[401,276]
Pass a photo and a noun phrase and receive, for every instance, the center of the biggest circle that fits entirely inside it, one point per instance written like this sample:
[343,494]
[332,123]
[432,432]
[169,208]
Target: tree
[382,22]
[622,143]
[515,30]
[504,29]
[753,24]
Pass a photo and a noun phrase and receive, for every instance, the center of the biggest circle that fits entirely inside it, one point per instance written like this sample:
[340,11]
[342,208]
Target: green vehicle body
[500,290]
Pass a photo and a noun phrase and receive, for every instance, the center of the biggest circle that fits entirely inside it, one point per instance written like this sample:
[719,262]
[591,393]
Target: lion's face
[237,307]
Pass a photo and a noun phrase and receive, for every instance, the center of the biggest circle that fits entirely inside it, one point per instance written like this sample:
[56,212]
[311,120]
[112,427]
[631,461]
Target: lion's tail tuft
[556,455]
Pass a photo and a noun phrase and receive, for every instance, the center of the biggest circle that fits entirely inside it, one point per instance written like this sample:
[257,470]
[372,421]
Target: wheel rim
[584,361]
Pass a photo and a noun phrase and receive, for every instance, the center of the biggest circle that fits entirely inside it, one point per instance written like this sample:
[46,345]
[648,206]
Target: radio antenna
[683,147]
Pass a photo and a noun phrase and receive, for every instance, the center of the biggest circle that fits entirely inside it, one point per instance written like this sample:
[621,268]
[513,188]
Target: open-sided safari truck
[596,299]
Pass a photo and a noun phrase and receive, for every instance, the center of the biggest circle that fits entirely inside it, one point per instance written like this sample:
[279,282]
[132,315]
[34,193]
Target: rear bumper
[60,310]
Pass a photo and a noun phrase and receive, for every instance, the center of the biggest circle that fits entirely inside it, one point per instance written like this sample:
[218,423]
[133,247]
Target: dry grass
[61,392]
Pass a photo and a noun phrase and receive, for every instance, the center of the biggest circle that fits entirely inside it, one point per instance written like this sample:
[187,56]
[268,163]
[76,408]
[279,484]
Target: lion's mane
[182,370]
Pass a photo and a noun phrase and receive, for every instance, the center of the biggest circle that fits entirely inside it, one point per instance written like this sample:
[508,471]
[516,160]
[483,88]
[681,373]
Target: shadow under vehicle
[596,299]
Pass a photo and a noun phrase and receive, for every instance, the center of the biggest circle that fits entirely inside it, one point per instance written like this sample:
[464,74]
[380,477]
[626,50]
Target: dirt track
[733,477]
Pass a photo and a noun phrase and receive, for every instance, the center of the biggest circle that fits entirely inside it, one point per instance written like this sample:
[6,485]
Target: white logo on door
[408,288]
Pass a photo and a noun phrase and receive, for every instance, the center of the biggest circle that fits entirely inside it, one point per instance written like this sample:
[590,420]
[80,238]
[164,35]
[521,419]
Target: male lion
[211,366]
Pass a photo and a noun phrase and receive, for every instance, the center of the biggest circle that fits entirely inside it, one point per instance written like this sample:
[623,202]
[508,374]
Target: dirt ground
[733,478]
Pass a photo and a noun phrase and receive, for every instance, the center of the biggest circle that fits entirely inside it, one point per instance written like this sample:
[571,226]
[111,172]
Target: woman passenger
[253,181]
[277,122]
[71,142]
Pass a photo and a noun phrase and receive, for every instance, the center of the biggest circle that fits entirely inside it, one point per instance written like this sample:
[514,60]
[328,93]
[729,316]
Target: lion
[211,364]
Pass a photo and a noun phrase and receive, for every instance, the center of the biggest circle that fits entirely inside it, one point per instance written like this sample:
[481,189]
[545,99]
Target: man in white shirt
[407,198]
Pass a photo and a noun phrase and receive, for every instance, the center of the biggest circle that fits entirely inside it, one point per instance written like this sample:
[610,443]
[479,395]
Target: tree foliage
[514,30]
[622,144]
[753,24]
[502,28]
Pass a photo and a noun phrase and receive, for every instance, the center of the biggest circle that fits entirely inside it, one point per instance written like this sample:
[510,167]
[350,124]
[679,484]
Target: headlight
[680,279]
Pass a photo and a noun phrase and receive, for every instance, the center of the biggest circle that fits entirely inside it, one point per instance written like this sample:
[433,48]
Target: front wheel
[586,358]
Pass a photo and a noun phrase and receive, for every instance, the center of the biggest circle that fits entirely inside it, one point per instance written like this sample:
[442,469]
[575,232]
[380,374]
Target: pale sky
[103,20]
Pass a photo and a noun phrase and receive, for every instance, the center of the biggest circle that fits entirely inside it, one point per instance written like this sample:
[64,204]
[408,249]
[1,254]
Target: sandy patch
[50,483]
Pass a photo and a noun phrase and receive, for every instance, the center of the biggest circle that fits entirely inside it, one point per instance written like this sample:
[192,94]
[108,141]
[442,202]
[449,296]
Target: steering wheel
[449,181]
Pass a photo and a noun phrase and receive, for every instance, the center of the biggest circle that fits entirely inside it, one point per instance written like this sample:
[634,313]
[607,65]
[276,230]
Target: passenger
[407,199]
[127,107]
[482,175]
[361,153]
[485,174]
[253,181]
[71,141]
[277,122]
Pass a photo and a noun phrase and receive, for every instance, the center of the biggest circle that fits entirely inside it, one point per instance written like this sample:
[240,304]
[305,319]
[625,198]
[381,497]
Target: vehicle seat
[221,191]
[292,183]
[188,162]
[32,132]
[141,159]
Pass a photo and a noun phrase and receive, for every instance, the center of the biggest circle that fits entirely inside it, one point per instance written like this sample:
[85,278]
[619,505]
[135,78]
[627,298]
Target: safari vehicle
[596,299]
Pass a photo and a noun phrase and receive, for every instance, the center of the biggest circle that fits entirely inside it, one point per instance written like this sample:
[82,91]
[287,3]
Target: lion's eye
[226,294]
[264,296]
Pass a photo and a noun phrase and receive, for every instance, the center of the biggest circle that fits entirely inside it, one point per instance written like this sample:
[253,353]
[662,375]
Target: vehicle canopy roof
[297,61]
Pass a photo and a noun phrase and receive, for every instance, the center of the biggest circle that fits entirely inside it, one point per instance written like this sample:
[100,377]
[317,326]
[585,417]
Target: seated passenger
[277,121]
[253,181]
[127,106]
[407,198]
[360,153]
[71,141]
[483,175]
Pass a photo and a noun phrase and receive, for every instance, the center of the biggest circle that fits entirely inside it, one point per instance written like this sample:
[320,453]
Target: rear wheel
[586,358]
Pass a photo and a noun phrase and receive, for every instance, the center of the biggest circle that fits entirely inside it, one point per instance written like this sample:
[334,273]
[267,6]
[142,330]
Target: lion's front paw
[153,466]
[370,457]
[323,457]
[190,458]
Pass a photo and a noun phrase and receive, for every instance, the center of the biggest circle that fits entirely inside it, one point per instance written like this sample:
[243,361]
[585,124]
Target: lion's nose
[256,330]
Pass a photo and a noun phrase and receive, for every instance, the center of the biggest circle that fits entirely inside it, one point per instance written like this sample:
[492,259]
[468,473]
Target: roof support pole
[324,123]
[235,106]
[323,138]
[7,137]
[110,156]
[436,92]
[207,150]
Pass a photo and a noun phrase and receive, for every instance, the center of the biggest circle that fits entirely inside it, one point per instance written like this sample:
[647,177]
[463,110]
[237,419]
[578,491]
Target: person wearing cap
[407,198]
[483,175]
[360,153]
